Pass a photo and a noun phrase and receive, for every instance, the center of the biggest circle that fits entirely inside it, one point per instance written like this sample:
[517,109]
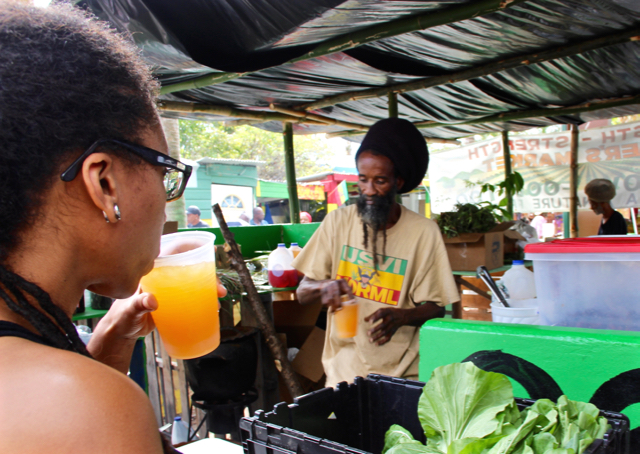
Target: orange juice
[346,319]
[187,316]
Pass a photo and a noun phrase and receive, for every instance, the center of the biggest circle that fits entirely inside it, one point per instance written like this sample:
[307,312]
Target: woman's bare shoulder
[59,401]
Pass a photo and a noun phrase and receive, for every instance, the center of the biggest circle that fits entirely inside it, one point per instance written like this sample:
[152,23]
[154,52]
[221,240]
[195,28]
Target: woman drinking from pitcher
[84,178]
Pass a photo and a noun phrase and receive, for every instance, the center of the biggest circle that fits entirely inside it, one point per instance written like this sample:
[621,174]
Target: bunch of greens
[465,410]
[468,218]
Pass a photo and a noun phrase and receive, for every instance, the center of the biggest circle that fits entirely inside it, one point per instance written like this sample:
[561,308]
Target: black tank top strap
[10,329]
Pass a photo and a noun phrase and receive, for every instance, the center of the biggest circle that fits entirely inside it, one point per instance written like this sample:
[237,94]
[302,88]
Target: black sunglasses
[175,179]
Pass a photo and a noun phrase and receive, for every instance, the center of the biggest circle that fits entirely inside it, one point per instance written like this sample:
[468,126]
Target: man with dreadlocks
[391,259]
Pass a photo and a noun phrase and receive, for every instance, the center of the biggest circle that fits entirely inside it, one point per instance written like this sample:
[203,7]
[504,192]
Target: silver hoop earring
[106,218]
[116,211]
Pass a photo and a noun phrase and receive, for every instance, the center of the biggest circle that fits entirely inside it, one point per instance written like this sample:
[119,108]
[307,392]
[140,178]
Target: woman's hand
[128,320]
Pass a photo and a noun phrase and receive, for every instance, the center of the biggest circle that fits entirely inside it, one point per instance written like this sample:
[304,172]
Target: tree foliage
[203,139]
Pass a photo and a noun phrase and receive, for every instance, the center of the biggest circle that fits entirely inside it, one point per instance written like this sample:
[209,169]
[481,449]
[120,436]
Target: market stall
[451,68]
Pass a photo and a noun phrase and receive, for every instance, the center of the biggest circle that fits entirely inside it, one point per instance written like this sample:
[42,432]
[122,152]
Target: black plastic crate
[354,418]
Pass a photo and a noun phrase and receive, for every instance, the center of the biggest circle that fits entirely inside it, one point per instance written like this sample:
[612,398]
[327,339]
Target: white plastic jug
[519,282]
[281,273]
[179,431]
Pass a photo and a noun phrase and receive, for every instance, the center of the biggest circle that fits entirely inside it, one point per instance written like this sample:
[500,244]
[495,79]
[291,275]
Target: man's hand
[390,320]
[327,292]
[331,292]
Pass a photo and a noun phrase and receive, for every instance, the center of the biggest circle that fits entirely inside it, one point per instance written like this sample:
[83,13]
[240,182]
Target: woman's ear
[100,183]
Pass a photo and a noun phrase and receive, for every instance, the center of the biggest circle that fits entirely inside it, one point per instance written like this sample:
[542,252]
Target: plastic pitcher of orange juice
[346,318]
[184,281]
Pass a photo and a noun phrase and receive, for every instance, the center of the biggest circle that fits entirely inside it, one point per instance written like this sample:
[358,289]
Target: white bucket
[524,312]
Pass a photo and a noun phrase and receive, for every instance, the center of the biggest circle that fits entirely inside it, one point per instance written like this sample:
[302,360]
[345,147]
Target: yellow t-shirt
[416,269]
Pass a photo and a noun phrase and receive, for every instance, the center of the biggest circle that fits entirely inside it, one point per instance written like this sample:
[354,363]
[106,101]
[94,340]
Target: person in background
[305,218]
[193,218]
[390,258]
[600,193]
[549,228]
[537,222]
[86,176]
[244,218]
[258,217]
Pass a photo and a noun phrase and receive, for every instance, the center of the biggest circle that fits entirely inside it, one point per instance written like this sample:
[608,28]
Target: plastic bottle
[179,431]
[519,281]
[295,249]
[281,273]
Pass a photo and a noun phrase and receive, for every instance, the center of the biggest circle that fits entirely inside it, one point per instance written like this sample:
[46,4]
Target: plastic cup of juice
[183,280]
[346,318]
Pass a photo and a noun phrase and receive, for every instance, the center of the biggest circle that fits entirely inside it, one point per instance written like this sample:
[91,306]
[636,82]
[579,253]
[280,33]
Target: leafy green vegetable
[465,410]
[462,401]
[468,218]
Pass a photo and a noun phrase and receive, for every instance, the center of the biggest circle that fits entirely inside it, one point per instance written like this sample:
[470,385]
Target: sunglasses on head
[176,176]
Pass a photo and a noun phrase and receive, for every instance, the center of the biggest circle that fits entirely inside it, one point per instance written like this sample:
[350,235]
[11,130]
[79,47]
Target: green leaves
[465,410]
[469,218]
[462,401]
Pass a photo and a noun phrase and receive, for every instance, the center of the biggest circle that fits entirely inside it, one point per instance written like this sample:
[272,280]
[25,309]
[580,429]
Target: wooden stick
[331,135]
[266,326]
[319,118]
[573,184]
[535,113]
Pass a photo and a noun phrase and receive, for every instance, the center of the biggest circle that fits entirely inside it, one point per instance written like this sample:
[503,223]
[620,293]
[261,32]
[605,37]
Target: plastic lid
[599,244]
[178,418]
[518,262]
[281,245]
[294,244]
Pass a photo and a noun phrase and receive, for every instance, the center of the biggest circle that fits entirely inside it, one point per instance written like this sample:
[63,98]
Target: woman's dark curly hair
[66,80]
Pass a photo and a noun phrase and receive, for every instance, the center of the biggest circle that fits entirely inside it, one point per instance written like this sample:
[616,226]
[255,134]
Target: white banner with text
[543,161]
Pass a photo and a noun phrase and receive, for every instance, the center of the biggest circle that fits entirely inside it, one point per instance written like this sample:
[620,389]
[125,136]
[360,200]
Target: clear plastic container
[519,281]
[295,249]
[588,282]
[184,282]
[281,273]
[179,431]
[346,318]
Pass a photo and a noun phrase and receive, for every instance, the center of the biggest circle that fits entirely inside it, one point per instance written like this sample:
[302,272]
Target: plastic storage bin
[588,282]
[352,419]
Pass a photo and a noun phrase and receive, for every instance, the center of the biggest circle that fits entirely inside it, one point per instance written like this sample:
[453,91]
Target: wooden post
[290,168]
[393,105]
[278,351]
[507,170]
[573,183]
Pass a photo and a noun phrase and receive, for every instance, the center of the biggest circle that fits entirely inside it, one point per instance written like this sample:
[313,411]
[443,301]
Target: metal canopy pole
[393,105]
[507,170]
[573,183]
[290,170]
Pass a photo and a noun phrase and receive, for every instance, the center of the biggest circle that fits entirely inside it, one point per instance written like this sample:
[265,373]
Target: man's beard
[598,209]
[376,216]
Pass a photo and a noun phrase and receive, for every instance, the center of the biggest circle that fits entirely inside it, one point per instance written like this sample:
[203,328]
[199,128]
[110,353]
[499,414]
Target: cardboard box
[308,361]
[470,250]
[511,238]
[295,320]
